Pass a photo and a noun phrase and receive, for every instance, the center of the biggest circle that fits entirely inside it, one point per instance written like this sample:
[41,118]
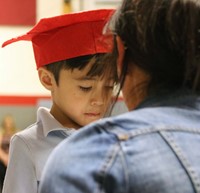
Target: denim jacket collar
[179,99]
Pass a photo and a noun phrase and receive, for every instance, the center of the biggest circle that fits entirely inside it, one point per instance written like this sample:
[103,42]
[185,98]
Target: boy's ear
[46,78]
[121,51]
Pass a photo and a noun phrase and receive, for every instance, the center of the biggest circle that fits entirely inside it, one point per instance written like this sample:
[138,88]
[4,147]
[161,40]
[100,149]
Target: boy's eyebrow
[85,78]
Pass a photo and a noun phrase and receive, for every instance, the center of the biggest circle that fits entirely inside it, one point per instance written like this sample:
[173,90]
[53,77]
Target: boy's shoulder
[31,132]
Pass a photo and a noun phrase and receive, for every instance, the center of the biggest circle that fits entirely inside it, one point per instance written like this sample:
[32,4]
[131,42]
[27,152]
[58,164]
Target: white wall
[18,74]
[79,5]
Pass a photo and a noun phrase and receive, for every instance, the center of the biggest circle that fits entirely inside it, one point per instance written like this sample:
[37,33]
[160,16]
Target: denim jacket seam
[123,136]
[108,162]
[124,164]
[183,160]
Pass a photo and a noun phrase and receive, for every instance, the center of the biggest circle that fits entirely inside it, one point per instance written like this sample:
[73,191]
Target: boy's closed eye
[109,84]
[110,87]
[85,88]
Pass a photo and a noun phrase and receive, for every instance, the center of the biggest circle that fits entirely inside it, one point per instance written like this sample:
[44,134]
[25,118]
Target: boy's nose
[97,98]
[97,102]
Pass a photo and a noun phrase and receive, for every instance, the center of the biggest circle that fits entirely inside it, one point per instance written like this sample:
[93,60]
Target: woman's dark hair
[162,37]
[99,66]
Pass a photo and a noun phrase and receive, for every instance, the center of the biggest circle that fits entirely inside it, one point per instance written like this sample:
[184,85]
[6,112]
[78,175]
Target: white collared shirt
[29,150]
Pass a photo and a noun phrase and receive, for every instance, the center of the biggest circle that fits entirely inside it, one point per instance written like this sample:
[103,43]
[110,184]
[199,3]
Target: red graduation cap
[68,36]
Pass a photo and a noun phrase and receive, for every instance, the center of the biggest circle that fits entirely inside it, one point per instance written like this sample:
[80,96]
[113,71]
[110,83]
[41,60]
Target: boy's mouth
[93,114]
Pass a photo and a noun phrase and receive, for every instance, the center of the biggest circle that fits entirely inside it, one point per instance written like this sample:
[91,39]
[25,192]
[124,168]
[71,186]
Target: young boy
[68,51]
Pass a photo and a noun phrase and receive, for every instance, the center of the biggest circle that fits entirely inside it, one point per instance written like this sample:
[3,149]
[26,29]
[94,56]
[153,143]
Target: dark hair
[162,37]
[99,67]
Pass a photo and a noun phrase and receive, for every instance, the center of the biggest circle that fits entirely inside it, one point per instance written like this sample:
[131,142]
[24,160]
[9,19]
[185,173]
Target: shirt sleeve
[20,175]
[63,172]
[80,163]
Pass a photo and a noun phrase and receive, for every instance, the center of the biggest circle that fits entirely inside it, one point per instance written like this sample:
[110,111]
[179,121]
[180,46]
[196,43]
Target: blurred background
[20,90]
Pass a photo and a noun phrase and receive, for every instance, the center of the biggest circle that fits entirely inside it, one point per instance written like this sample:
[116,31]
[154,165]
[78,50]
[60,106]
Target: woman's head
[161,37]
[8,124]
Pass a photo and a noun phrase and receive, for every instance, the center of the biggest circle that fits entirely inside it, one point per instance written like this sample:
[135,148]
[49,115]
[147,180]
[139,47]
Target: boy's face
[79,100]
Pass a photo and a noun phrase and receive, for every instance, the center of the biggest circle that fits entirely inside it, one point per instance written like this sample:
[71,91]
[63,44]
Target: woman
[154,148]
[8,128]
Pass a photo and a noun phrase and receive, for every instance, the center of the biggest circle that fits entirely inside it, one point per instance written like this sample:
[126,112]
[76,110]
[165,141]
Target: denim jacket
[153,149]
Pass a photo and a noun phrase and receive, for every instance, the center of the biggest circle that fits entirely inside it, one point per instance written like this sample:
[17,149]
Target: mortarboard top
[68,36]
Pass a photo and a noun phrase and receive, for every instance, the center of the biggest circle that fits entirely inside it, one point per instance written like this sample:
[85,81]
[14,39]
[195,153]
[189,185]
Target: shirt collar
[49,123]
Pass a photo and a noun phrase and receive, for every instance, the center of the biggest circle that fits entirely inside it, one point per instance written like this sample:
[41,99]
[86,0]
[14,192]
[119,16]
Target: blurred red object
[20,12]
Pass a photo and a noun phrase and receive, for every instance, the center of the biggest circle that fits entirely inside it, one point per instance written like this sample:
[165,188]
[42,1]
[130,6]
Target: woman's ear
[121,52]
[46,78]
